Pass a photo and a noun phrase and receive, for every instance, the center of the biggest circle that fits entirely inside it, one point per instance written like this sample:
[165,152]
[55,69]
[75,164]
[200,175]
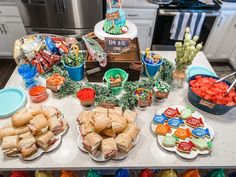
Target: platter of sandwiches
[32,132]
[107,133]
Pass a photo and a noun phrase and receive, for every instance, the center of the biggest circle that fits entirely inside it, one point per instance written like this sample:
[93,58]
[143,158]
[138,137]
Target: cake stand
[101,34]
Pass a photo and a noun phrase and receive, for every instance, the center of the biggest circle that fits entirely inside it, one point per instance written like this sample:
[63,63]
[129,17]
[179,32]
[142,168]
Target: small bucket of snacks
[116,79]
[207,95]
[144,97]
[152,63]
[38,94]
[161,90]
[55,82]
[86,97]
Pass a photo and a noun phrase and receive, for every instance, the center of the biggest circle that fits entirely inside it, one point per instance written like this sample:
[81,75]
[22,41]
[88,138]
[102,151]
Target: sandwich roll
[102,110]
[116,111]
[109,148]
[9,131]
[84,116]
[108,132]
[9,145]
[56,125]
[22,130]
[49,111]
[132,130]
[92,141]
[130,116]
[46,140]
[27,146]
[118,124]
[21,118]
[101,122]
[86,128]
[124,142]
[39,124]
[35,110]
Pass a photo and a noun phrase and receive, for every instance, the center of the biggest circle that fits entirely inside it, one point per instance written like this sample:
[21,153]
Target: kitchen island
[147,153]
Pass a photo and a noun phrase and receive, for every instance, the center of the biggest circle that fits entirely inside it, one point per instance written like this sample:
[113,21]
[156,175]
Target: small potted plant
[161,90]
[74,64]
[86,97]
[144,97]
[185,53]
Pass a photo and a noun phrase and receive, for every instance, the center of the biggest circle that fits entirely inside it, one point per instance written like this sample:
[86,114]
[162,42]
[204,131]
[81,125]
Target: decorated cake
[115,22]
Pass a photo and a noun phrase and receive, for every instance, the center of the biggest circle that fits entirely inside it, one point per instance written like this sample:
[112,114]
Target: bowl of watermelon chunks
[209,96]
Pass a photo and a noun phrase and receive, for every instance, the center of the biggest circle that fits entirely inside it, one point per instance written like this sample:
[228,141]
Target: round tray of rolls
[107,133]
[32,132]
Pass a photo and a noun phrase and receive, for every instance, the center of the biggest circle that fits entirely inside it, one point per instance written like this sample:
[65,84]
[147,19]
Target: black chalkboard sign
[116,45]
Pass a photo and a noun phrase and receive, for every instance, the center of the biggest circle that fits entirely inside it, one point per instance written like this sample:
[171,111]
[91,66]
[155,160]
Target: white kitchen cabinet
[232,58]
[145,20]
[5,49]
[221,40]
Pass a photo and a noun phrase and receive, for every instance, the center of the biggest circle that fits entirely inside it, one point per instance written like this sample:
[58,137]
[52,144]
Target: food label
[206,103]
[116,45]
[113,15]
[135,66]
[115,84]
[94,70]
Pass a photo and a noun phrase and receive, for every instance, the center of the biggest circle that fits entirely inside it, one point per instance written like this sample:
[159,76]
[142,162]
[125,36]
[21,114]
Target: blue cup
[150,70]
[76,73]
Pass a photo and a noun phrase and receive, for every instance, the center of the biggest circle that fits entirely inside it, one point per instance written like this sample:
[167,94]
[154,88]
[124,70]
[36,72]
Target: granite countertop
[147,153]
[139,4]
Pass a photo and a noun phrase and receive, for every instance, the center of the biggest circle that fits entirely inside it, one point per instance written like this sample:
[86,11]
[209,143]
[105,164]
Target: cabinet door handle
[221,18]
[132,15]
[4,28]
[150,31]
[1,30]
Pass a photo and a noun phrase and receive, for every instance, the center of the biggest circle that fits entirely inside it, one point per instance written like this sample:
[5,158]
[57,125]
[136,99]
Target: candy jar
[144,97]
[28,73]
[161,90]
[86,97]
[179,78]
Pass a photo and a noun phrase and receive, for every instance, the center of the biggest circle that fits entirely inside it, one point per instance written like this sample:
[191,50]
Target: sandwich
[86,128]
[109,148]
[38,125]
[49,111]
[9,131]
[92,141]
[116,111]
[57,125]
[9,145]
[101,122]
[132,131]
[130,116]
[124,142]
[108,132]
[46,140]
[84,116]
[21,118]
[27,146]
[22,131]
[102,110]
[119,123]
[35,109]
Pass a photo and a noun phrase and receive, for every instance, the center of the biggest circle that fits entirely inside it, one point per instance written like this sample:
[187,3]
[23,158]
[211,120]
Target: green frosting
[186,113]
[162,86]
[201,144]
[169,141]
[109,28]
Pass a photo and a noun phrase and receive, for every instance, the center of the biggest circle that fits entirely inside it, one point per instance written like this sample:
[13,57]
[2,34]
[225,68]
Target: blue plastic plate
[11,100]
[194,70]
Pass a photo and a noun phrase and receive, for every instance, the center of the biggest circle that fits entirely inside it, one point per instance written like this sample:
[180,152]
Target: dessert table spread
[147,153]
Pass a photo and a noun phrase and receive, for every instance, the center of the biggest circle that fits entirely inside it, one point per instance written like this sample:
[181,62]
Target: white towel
[199,25]
[192,22]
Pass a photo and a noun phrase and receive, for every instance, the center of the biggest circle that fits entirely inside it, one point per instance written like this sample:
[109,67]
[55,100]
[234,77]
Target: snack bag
[191,173]
[65,173]
[146,173]
[168,173]
[92,173]
[43,174]
[122,173]
[216,173]
[19,174]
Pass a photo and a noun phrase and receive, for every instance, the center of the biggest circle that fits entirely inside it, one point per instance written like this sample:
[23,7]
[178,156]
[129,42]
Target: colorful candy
[185,147]
[169,141]
[159,119]
[200,132]
[175,122]
[186,113]
[201,144]
[182,133]
[170,112]
[194,122]
[162,129]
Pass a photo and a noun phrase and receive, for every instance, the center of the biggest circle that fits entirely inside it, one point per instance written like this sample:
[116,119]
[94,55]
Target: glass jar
[178,78]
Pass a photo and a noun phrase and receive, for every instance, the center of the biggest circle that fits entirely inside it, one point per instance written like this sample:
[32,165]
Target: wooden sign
[116,45]
[113,15]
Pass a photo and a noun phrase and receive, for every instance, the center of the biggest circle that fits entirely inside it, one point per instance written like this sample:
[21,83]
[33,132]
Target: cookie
[185,147]
[162,129]
[170,112]
[201,144]
[159,119]
[201,133]
[182,133]
[169,141]
[194,122]
[175,122]
[186,113]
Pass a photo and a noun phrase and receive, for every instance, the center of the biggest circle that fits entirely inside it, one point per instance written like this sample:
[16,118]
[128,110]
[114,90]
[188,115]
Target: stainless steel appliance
[64,17]
[165,17]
